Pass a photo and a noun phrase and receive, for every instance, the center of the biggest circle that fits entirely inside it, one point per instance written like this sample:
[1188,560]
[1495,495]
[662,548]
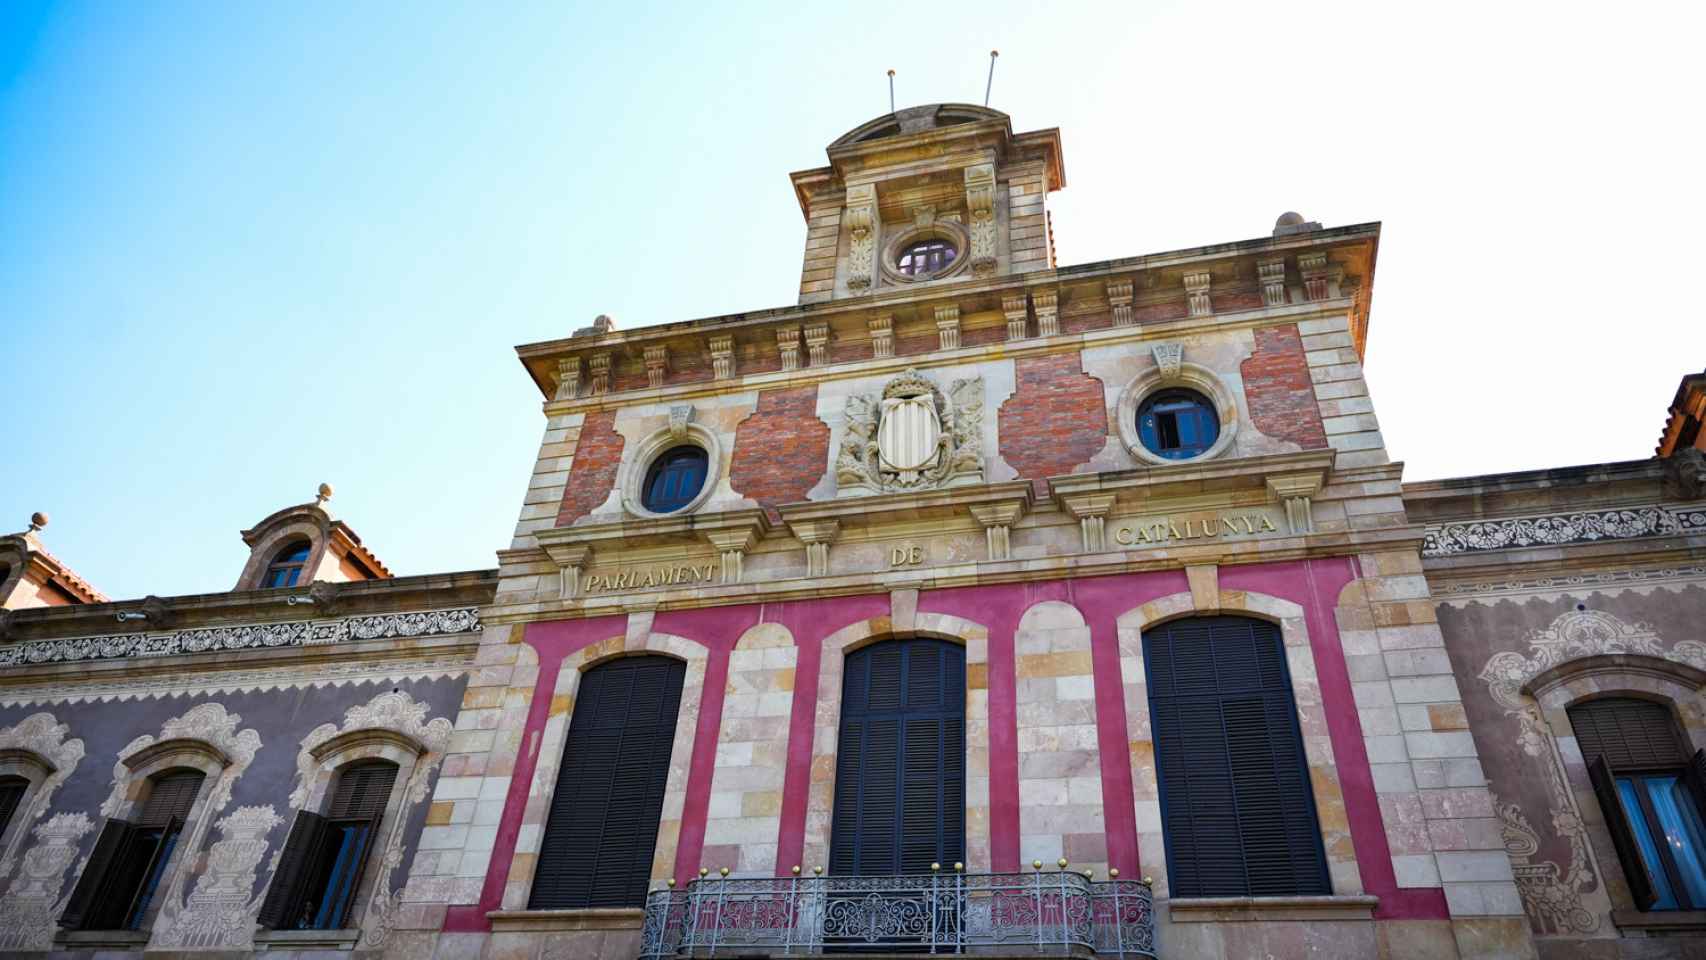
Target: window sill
[595,918]
[306,939]
[1233,909]
[1660,921]
[99,939]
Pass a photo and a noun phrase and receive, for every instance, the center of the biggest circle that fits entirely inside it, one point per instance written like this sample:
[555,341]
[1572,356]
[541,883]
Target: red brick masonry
[782,450]
[1279,391]
[593,472]
[1056,419]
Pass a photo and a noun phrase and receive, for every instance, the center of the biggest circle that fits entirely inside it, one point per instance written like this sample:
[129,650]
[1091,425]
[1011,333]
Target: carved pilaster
[1297,491]
[1047,303]
[568,378]
[722,357]
[788,342]
[861,219]
[573,560]
[732,546]
[1017,311]
[948,327]
[1091,511]
[1313,266]
[882,337]
[657,365]
[817,535]
[817,343]
[1272,275]
[1119,301]
[1196,294]
[980,201]
[1168,357]
[600,373]
[998,519]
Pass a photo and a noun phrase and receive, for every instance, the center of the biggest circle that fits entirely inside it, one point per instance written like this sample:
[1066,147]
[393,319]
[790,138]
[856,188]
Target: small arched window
[319,873]
[926,257]
[1177,424]
[286,567]
[130,858]
[675,478]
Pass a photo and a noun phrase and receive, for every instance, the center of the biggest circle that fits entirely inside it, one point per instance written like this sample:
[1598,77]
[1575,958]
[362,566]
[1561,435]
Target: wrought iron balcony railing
[1039,914]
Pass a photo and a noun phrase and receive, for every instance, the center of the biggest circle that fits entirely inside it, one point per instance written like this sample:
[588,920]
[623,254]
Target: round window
[1177,424]
[926,257]
[674,479]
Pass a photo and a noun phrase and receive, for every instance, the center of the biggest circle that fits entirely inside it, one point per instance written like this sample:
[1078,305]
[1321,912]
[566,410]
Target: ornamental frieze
[1585,527]
[912,436]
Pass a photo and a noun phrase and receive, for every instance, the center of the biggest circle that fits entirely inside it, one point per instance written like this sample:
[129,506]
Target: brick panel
[1279,391]
[1056,419]
[593,471]
[782,450]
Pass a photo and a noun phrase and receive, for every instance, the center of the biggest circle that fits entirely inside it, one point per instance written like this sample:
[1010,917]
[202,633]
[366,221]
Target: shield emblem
[906,438]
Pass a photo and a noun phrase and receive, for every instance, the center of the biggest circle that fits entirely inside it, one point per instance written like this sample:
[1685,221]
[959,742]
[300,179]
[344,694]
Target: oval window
[674,479]
[1178,424]
[926,257]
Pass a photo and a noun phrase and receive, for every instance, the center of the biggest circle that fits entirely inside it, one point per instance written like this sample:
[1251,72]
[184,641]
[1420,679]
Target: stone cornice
[919,505]
[1144,484]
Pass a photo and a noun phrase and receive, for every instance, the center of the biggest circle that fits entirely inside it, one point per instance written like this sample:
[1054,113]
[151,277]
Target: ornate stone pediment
[911,436]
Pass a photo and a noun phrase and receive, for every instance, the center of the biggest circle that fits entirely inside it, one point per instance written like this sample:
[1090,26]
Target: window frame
[1202,409]
[303,856]
[661,465]
[281,563]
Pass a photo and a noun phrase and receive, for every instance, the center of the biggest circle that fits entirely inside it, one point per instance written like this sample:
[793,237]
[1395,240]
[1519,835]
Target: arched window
[602,830]
[674,478]
[130,858]
[12,790]
[926,257]
[1177,424]
[900,785]
[286,567]
[1653,797]
[1237,812]
[319,874]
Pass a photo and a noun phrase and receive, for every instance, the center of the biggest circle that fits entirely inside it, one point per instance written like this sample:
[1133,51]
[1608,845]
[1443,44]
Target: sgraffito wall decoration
[36,896]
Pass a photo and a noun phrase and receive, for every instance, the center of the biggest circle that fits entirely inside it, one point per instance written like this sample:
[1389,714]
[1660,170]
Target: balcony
[1052,914]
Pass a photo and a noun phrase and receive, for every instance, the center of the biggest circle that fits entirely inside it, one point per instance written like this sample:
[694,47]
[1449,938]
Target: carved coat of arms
[912,437]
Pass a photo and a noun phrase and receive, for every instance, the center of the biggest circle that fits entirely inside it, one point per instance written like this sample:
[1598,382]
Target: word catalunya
[655,577]
[1193,528]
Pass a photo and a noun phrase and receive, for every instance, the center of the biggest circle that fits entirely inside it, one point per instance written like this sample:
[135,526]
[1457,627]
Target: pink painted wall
[1314,585]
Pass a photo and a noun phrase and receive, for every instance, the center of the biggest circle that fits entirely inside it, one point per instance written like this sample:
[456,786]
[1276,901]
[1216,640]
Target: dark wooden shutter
[1622,837]
[1237,808]
[170,795]
[1696,776]
[1630,734]
[12,791]
[900,765]
[602,830]
[362,791]
[114,834]
[284,893]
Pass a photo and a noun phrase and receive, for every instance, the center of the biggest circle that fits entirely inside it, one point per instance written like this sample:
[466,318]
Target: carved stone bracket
[680,416]
[1047,303]
[1196,294]
[722,356]
[600,373]
[732,546]
[788,343]
[1168,358]
[817,535]
[861,218]
[817,343]
[948,327]
[1091,511]
[980,201]
[998,518]
[1017,311]
[1272,275]
[568,378]
[1313,266]
[1297,491]
[1119,302]
[657,364]
[573,560]
[882,336]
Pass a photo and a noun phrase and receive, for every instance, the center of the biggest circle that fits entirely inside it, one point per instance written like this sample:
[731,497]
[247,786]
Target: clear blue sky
[247,247]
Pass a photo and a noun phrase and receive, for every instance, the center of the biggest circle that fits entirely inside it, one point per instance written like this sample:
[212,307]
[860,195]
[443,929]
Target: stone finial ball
[325,491]
[1290,218]
[38,519]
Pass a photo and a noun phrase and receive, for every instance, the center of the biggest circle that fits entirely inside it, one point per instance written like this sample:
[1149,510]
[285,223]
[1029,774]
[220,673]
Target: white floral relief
[34,900]
[220,913]
[43,737]
[1551,892]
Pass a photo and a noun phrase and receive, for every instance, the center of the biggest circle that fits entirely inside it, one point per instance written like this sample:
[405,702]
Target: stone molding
[1261,909]
[680,431]
[278,677]
[1565,583]
[1558,529]
[295,633]
[1172,370]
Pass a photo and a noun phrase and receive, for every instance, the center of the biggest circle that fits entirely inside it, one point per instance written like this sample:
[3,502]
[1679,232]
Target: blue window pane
[674,479]
[1644,839]
[151,883]
[1683,835]
[335,898]
[1177,424]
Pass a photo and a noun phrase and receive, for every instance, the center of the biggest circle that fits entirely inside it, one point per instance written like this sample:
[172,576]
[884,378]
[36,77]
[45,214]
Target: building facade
[972,603]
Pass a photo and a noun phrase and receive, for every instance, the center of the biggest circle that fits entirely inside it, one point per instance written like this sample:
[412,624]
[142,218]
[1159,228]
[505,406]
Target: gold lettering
[1143,536]
[706,576]
[1248,526]
[915,556]
[897,556]
[1209,529]
[1122,536]
[1173,532]
[1268,525]
[1229,526]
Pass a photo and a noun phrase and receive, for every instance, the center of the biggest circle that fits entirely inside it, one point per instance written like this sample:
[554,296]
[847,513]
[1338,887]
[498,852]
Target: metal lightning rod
[991,84]
[891,91]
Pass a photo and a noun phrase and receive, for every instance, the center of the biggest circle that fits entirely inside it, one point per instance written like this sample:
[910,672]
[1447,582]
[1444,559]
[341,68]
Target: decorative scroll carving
[722,356]
[817,343]
[1119,302]
[1017,311]
[287,677]
[40,735]
[882,336]
[861,218]
[1272,275]
[657,364]
[980,201]
[913,437]
[220,912]
[1313,266]
[1585,527]
[1047,303]
[1168,358]
[299,633]
[34,902]
[788,344]
[600,373]
[1196,294]
[948,327]
[1574,581]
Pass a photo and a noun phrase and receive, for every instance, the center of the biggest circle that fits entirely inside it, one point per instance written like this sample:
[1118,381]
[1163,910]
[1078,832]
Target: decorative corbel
[680,416]
[948,327]
[657,364]
[573,560]
[1196,294]
[1091,511]
[722,356]
[788,342]
[980,201]
[732,545]
[568,378]
[882,336]
[1272,275]
[1168,357]
[1119,301]
[998,518]
[1017,311]
[1297,491]
[861,217]
[817,343]
[1313,266]
[1047,303]
[600,373]
[817,535]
